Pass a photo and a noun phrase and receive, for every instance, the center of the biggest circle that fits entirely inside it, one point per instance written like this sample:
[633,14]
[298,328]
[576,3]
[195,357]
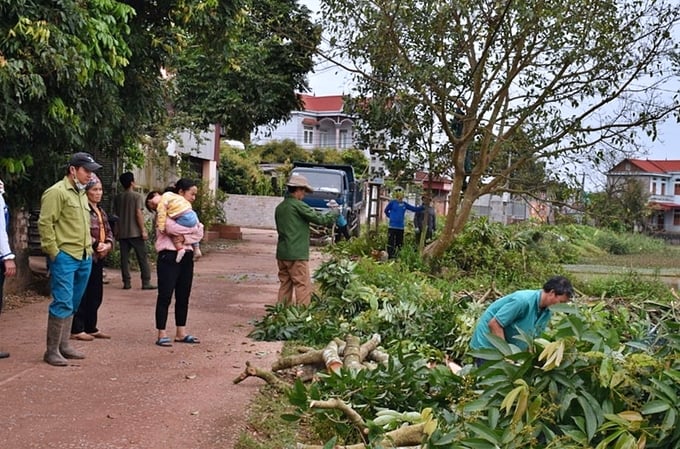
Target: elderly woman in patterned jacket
[84,326]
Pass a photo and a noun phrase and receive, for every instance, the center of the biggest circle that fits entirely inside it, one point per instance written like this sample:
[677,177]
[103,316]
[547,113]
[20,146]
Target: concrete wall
[251,211]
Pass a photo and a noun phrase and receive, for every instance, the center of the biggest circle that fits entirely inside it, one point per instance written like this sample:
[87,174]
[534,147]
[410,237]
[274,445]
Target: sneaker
[149,287]
[127,286]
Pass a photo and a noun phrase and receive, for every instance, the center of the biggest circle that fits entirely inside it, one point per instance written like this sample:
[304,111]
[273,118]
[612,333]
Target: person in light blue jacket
[396,213]
[526,311]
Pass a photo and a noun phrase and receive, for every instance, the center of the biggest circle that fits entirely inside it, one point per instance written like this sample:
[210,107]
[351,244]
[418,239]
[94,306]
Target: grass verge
[265,427]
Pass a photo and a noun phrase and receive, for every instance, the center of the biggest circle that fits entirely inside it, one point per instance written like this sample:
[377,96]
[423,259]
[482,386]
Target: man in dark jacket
[293,217]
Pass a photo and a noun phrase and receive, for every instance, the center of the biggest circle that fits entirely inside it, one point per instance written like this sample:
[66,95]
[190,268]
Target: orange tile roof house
[320,124]
[662,177]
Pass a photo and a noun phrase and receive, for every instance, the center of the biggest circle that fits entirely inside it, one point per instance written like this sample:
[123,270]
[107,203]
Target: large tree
[55,62]
[571,80]
[86,76]
[248,75]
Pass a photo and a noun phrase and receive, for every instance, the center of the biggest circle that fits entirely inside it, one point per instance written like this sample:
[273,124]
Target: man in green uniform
[64,226]
[293,217]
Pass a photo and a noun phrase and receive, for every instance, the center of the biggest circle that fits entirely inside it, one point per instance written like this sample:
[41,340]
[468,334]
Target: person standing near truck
[420,222]
[340,222]
[293,217]
[396,213]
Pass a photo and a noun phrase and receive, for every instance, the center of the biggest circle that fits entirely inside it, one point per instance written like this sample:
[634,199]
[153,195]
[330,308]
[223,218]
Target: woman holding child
[175,245]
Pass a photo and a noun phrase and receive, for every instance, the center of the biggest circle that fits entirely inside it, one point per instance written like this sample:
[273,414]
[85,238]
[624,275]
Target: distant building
[322,123]
[662,180]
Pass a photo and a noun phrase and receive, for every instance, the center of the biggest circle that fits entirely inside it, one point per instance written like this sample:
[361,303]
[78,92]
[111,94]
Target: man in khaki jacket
[64,226]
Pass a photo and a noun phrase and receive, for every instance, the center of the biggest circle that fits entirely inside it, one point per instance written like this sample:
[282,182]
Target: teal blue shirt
[518,310]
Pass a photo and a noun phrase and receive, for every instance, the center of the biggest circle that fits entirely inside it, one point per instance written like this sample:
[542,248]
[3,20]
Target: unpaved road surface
[128,392]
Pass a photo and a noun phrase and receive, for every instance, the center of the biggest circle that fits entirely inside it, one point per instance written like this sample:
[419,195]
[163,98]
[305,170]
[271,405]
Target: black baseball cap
[84,160]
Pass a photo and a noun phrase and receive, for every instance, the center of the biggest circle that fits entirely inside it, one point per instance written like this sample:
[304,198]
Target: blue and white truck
[333,182]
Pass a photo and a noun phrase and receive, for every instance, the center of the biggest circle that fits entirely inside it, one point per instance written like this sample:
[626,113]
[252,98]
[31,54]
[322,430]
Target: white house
[321,123]
[661,178]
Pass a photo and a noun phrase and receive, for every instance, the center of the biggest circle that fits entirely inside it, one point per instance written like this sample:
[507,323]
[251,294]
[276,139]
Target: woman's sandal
[164,341]
[188,339]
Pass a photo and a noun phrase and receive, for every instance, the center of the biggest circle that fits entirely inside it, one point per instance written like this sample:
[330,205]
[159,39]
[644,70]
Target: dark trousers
[395,240]
[173,277]
[139,246]
[2,281]
[341,232]
[85,319]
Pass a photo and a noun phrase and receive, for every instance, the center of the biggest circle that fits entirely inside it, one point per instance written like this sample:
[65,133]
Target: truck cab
[333,182]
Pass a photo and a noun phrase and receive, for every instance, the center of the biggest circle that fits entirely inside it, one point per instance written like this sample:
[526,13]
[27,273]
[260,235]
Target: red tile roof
[328,103]
[658,205]
[656,166]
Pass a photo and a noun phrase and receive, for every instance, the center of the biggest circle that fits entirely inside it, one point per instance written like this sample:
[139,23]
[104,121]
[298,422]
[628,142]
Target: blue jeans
[68,279]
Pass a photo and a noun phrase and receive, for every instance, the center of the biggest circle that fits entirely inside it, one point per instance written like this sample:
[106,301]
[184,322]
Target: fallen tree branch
[401,438]
[267,376]
[341,405]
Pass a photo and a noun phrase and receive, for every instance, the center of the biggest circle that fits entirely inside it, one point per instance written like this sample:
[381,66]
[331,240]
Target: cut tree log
[306,358]
[369,346]
[407,436]
[331,358]
[352,357]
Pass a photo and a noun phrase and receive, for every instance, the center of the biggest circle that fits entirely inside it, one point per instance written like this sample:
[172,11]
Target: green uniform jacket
[292,223]
[64,222]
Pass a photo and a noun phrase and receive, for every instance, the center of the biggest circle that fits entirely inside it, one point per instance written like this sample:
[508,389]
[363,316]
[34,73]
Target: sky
[332,80]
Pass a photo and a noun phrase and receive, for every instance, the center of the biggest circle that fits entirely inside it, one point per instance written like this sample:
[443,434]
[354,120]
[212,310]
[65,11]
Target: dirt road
[128,392]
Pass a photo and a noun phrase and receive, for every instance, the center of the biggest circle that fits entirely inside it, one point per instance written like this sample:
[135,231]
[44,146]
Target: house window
[653,190]
[323,139]
[663,188]
[676,217]
[308,135]
[344,138]
[677,188]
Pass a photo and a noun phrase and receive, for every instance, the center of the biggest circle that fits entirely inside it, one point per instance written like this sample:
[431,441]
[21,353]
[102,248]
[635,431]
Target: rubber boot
[65,347]
[54,330]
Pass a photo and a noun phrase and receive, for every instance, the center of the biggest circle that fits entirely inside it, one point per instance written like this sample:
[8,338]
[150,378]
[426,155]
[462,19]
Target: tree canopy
[87,76]
[570,81]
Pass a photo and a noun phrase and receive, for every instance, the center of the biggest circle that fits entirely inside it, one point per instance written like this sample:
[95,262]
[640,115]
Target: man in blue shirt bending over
[524,310]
